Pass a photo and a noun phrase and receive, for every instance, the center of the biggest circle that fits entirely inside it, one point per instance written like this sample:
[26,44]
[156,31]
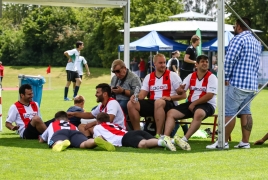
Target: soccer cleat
[104,144]
[61,146]
[157,136]
[66,99]
[168,144]
[242,145]
[181,143]
[215,146]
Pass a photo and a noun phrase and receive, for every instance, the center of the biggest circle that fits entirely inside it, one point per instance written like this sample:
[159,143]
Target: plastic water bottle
[136,93]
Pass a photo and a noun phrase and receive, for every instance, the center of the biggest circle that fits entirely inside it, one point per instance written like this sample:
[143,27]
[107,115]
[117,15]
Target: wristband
[124,92]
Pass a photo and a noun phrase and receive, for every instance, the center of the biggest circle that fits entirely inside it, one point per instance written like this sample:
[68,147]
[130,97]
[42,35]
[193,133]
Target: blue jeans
[123,104]
[235,99]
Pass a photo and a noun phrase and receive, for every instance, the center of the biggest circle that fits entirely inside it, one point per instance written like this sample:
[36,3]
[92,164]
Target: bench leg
[214,129]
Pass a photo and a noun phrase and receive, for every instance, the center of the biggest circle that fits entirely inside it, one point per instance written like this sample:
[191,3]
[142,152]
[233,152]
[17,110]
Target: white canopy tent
[191,15]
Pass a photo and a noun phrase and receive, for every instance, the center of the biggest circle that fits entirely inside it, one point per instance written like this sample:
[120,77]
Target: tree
[256,11]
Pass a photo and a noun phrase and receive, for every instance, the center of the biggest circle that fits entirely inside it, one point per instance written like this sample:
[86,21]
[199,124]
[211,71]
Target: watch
[124,92]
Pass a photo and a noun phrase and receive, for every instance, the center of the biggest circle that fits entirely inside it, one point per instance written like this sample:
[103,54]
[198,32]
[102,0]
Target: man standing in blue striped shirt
[241,66]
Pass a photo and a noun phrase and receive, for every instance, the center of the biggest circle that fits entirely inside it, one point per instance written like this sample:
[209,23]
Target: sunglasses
[116,71]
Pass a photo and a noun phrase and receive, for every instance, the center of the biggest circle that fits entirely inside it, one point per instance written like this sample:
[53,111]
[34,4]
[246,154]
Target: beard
[100,99]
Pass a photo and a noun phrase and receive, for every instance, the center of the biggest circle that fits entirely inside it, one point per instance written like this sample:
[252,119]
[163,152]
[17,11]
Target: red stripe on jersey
[57,125]
[151,83]
[192,83]
[114,129]
[205,83]
[166,80]
[22,111]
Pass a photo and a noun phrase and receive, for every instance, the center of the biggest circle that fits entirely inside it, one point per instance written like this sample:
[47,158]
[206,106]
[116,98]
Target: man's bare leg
[134,114]
[159,115]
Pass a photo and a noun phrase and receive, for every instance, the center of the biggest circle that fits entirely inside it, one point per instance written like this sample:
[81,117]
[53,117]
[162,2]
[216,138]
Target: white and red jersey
[110,132]
[112,107]
[199,88]
[166,85]
[56,126]
[22,114]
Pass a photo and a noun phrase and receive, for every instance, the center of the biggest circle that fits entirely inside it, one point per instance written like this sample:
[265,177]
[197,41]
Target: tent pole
[126,33]
[221,87]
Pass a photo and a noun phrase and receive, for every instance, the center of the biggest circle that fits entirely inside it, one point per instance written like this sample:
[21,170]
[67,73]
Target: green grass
[28,159]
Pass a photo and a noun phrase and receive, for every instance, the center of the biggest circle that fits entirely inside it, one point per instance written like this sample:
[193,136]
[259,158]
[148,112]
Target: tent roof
[154,42]
[182,29]
[72,3]
[213,44]
[192,15]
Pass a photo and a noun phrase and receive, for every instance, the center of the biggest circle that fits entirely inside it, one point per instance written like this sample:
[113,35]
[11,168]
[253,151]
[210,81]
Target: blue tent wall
[154,42]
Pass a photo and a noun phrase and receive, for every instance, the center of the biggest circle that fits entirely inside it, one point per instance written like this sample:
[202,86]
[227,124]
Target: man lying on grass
[61,134]
[117,136]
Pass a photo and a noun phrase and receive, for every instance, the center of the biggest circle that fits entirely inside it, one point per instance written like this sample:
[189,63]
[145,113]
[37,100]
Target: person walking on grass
[241,66]
[25,114]
[71,69]
[62,134]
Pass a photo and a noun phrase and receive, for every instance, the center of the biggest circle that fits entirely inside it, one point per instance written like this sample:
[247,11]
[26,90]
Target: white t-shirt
[13,116]
[112,107]
[169,62]
[200,89]
[166,85]
[54,127]
[69,66]
[79,64]
[109,131]
[74,54]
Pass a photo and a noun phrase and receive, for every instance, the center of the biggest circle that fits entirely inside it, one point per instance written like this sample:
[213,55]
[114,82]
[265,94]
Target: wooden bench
[214,124]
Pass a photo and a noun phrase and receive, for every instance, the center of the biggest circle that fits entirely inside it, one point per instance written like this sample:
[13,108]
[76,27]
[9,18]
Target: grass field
[28,159]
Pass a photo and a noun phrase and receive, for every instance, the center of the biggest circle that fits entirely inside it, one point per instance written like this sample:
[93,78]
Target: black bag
[150,126]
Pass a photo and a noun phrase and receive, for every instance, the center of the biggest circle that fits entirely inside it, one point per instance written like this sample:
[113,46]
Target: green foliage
[257,11]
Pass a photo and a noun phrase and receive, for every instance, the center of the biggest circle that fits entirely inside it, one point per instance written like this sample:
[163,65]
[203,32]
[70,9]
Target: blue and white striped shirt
[242,61]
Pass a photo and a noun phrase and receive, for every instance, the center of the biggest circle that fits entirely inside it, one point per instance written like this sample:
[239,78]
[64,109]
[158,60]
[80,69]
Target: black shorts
[75,137]
[133,138]
[30,132]
[147,107]
[74,75]
[69,77]
[81,76]
[184,109]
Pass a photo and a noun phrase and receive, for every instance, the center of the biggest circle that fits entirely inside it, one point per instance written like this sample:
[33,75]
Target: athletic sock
[76,89]
[184,138]
[160,142]
[66,89]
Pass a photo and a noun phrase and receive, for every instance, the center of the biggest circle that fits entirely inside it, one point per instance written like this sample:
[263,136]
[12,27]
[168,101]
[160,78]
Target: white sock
[159,143]
[184,138]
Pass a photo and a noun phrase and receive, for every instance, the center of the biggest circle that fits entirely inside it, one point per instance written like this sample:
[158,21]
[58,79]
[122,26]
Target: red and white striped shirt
[166,85]
[22,114]
[112,107]
[199,88]
[110,132]
[56,126]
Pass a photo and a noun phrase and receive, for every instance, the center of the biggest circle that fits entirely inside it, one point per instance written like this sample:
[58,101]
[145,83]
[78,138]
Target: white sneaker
[215,146]
[242,145]
[167,143]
